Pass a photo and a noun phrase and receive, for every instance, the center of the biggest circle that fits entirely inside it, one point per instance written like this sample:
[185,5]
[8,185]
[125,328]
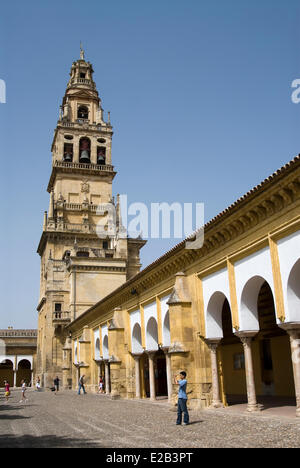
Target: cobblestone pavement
[70,420]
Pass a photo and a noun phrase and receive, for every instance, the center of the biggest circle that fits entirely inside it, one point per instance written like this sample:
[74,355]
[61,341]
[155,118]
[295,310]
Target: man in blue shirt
[182,399]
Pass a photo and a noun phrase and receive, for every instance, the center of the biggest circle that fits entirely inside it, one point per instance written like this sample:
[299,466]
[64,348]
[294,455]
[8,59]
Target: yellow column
[143,327]
[202,311]
[159,322]
[280,312]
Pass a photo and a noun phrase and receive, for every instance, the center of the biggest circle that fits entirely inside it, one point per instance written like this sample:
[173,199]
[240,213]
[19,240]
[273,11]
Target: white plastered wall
[164,310]
[215,291]
[150,312]
[135,319]
[250,274]
[289,254]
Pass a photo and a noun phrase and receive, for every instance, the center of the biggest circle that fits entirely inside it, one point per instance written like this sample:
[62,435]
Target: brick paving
[69,420]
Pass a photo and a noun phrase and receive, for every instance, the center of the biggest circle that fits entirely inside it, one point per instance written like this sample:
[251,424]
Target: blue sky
[200,99]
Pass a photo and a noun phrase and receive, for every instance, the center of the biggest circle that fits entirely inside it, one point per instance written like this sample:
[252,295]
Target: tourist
[23,390]
[7,390]
[101,383]
[81,385]
[38,384]
[182,399]
[56,384]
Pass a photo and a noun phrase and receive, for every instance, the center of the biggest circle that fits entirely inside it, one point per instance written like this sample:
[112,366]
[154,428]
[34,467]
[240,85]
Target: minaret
[84,266]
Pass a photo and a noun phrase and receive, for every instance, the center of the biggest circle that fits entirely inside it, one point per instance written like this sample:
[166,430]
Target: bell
[100,160]
[68,157]
[84,157]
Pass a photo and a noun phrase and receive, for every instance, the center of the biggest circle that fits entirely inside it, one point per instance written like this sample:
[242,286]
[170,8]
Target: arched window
[68,152]
[83,112]
[84,150]
[101,155]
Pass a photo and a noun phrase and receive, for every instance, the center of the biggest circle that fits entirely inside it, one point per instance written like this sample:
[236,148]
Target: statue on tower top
[81,52]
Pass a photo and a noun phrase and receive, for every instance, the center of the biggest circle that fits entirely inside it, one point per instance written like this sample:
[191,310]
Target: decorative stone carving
[85,186]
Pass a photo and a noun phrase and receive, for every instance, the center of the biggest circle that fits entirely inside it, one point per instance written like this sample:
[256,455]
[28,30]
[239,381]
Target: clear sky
[200,99]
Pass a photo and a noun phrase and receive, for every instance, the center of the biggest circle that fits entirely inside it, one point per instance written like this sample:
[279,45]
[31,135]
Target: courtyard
[67,420]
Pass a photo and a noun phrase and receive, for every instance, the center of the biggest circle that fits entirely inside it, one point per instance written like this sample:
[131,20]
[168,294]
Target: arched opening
[293,293]
[6,372]
[152,335]
[68,152]
[232,362]
[137,339]
[24,372]
[159,362]
[105,348]
[271,355]
[248,308]
[83,113]
[84,150]
[214,326]
[274,374]
[97,349]
[101,155]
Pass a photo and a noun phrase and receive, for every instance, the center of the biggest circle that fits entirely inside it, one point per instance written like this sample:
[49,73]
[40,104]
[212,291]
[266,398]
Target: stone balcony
[106,170]
[74,165]
[61,318]
[85,123]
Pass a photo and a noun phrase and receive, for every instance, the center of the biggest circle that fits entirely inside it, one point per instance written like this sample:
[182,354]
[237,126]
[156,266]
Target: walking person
[23,390]
[182,399]
[101,383]
[7,390]
[56,384]
[81,385]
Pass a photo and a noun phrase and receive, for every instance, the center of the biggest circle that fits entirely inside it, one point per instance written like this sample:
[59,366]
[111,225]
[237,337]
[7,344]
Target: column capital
[151,354]
[213,343]
[246,336]
[292,328]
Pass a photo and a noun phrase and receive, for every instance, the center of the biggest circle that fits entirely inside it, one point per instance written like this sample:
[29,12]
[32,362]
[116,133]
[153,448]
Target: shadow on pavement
[195,422]
[47,441]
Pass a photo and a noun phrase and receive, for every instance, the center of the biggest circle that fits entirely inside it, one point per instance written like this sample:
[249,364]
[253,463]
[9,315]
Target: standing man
[81,385]
[182,399]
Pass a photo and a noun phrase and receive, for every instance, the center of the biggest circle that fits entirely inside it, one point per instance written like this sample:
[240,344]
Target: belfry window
[83,112]
[101,155]
[82,75]
[85,150]
[57,310]
[68,152]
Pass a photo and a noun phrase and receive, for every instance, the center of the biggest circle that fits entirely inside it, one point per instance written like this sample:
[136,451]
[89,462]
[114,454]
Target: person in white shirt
[23,390]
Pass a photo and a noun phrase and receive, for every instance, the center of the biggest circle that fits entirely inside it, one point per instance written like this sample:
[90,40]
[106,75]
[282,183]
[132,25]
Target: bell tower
[80,264]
